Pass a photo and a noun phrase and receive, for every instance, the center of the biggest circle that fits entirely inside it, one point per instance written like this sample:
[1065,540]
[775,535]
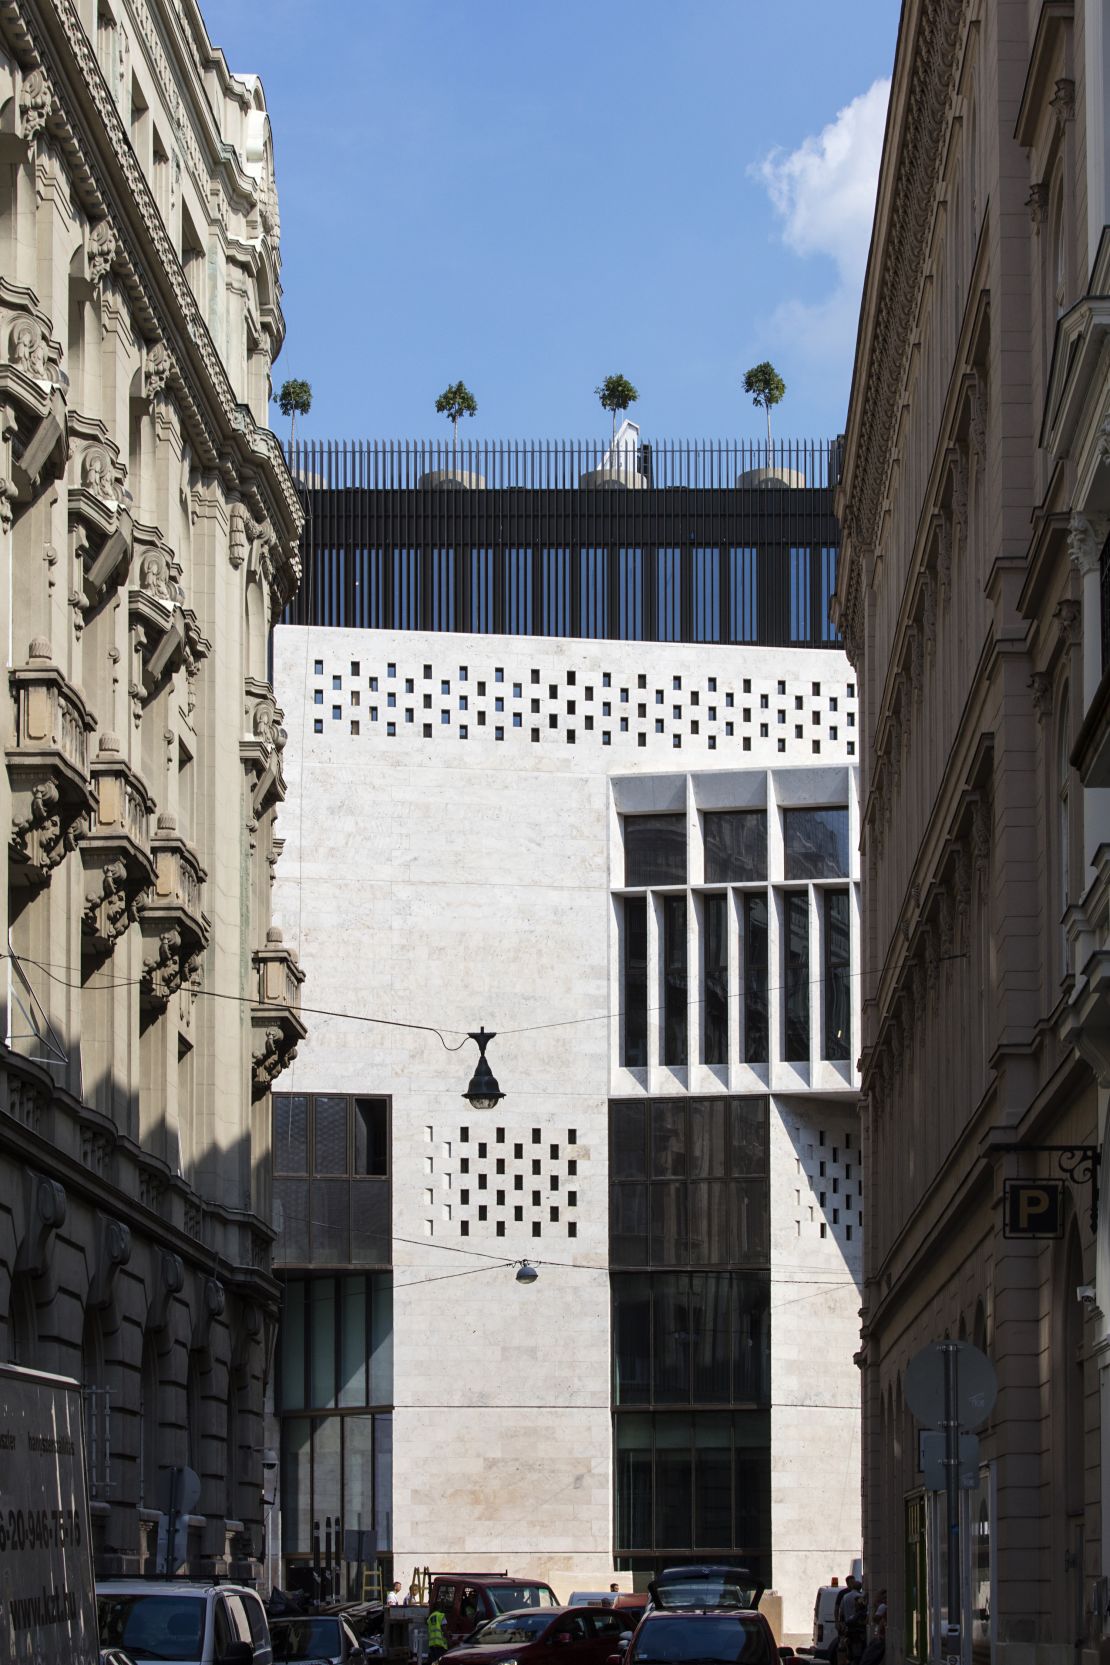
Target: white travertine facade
[453,857]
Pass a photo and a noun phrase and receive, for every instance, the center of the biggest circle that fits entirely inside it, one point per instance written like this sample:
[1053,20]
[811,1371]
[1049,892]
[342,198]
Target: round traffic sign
[976,1384]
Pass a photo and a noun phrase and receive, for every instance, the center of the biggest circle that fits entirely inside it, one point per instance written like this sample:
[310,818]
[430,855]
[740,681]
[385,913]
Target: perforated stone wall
[544,693]
[486,1181]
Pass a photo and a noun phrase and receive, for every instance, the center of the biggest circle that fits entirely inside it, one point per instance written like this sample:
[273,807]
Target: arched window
[1063,825]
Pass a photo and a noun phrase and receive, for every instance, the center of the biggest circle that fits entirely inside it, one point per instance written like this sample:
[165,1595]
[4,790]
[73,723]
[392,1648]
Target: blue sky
[529,195]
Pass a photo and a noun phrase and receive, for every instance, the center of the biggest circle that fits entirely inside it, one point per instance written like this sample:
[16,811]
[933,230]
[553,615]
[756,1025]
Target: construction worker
[437,1633]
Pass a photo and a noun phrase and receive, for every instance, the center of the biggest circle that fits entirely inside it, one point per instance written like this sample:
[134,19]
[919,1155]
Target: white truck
[47,1590]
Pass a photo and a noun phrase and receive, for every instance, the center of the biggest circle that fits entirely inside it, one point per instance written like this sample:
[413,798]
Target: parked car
[316,1636]
[192,1624]
[709,1636]
[468,1599]
[583,1636]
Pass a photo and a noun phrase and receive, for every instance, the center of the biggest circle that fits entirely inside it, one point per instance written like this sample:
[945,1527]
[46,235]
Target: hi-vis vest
[437,1629]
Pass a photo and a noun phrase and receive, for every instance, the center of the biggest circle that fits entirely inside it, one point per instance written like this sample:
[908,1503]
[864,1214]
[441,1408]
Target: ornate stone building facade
[976,484]
[148,536]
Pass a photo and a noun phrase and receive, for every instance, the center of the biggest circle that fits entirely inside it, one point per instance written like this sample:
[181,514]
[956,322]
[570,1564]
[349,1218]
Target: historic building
[571,756]
[973,596]
[148,536]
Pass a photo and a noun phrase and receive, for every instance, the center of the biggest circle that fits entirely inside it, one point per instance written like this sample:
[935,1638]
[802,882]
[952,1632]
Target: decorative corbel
[1063,100]
[1037,204]
[45,1201]
[1041,684]
[35,104]
[169,1283]
[1069,617]
[113,1250]
[212,1305]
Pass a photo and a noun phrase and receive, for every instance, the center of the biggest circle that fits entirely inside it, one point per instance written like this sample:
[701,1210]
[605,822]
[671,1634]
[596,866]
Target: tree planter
[774,475]
[452,479]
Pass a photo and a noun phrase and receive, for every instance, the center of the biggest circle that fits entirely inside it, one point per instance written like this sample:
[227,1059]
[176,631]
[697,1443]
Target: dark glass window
[691,1481]
[715,977]
[743,624]
[668,593]
[688,1182]
[630,590]
[706,585]
[675,982]
[755,980]
[816,843]
[290,1133]
[335,1342]
[800,595]
[555,592]
[593,590]
[371,1121]
[796,956]
[838,986]
[330,1143]
[518,591]
[635,982]
[481,591]
[655,850]
[735,847]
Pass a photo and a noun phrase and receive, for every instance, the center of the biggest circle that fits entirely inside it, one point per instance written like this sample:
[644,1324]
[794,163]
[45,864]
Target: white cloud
[824,193]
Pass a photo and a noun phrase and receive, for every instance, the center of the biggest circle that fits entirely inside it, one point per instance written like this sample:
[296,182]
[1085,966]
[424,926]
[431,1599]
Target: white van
[824,1614]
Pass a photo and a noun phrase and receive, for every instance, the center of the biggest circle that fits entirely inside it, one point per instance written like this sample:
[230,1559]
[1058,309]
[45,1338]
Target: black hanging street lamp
[483,1093]
[526,1272]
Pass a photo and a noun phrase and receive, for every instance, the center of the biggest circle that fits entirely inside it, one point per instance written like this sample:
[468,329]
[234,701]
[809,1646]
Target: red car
[583,1636]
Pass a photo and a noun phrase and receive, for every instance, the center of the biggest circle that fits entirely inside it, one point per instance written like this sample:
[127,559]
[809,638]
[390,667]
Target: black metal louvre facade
[550,539]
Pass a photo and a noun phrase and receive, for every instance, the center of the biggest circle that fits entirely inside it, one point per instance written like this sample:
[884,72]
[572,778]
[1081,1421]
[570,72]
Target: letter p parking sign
[1033,1208]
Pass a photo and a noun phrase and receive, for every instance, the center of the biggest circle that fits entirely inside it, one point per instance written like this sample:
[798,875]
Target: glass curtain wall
[690,1252]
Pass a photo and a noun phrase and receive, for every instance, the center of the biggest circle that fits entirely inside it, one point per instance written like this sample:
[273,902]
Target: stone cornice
[223,431]
[923,83]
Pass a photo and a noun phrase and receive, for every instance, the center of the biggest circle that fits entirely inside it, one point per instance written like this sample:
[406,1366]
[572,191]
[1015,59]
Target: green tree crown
[455,401]
[616,393]
[295,397]
[764,384]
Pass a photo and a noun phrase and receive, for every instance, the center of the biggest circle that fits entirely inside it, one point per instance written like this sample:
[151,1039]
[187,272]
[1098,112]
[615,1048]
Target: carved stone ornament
[1103,448]
[961,879]
[112,907]
[1069,616]
[35,102]
[1041,684]
[981,840]
[977,413]
[158,578]
[113,1251]
[1087,534]
[917,661]
[931,955]
[959,493]
[158,367]
[169,1282]
[1063,99]
[45,1202]
[929,611]
[27,349]
[946,914]
[895,752]
[276,1054]
[98,474]
[944,557]
[101,251]
[1037,203]
[42,838]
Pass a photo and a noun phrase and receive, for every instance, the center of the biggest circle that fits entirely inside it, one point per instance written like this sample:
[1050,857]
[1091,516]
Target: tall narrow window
[838,997]
[706,577]
[635,982]
[675,990]
[755,980]
[518,592]
[555,592]
[796,944]
[743,623]
[800,618]
[593,586]
[1063,837]
[715,978]
[481,591]
[630,582]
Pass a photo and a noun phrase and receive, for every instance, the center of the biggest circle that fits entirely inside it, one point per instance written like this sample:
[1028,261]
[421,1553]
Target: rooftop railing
[564,465]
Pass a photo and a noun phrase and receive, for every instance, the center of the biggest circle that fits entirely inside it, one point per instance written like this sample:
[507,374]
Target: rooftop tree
[295,398]
[455,401]
[766,387]
[616,393]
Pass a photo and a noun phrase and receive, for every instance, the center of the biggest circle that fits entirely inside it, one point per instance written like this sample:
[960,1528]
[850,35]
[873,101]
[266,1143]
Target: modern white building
[635,861]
